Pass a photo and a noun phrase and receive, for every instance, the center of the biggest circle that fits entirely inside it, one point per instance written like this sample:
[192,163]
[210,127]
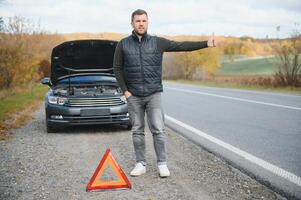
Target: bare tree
[289,66]
[18,25]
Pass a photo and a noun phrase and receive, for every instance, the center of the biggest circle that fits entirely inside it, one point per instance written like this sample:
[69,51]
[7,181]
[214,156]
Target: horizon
[165,35]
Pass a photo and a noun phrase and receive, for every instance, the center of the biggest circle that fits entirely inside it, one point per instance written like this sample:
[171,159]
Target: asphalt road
[263,124]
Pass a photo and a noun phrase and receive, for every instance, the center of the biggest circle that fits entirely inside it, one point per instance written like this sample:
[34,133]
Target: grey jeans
[151,105]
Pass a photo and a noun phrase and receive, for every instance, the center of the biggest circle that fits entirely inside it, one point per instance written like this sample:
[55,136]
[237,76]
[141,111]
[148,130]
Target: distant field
[261,66]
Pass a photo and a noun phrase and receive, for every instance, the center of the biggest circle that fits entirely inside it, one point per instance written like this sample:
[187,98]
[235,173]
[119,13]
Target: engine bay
[86,90]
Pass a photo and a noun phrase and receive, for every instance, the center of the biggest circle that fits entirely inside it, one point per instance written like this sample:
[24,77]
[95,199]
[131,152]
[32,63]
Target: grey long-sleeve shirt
[163,44]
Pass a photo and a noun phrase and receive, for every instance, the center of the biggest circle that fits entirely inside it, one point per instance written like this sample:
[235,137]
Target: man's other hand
[212,41]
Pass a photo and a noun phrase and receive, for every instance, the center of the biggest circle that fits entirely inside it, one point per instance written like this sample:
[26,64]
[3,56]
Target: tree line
[22,48]
[25,52]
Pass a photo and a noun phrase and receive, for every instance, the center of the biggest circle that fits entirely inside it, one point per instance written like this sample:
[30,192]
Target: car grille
[79,102]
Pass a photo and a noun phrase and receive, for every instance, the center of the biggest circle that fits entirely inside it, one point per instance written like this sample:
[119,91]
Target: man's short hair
[138,12]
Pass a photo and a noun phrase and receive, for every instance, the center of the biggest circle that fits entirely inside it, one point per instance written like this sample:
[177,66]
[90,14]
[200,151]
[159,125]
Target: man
[138,70]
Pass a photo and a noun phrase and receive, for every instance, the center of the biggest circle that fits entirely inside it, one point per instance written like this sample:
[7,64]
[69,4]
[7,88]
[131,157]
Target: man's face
[140,23]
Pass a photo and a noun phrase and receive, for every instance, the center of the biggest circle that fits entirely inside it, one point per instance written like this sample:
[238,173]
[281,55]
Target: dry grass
[17,106]
[17,119]
[250,82]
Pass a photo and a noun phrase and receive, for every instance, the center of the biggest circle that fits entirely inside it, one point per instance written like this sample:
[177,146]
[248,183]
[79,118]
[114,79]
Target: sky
[238,18]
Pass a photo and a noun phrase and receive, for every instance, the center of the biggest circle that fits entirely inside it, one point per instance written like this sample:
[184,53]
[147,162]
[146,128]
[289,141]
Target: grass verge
[17,107]
[292,90]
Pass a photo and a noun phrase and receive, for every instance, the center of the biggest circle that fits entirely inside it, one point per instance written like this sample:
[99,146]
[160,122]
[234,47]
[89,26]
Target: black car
[83,88]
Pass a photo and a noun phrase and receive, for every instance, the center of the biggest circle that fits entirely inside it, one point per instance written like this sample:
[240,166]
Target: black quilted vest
[142,65]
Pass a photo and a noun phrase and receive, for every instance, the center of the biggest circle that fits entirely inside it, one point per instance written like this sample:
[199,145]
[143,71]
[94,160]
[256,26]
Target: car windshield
[87,79]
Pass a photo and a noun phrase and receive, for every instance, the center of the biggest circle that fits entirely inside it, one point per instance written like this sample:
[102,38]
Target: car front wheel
[129,126]
[50,129]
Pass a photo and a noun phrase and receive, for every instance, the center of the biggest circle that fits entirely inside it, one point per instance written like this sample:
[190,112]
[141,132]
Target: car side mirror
[46,81]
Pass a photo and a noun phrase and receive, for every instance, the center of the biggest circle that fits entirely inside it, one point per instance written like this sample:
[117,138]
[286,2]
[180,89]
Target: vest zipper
[141,67]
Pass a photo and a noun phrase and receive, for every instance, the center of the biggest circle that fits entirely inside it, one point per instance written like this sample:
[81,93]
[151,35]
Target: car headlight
[122,98]
[57,100]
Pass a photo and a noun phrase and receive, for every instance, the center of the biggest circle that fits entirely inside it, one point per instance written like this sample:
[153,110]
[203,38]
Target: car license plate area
[93,112]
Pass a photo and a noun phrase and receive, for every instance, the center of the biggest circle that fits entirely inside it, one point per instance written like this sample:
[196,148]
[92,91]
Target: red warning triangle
[97,183]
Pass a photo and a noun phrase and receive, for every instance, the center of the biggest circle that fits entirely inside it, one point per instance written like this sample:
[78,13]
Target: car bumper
[60,116]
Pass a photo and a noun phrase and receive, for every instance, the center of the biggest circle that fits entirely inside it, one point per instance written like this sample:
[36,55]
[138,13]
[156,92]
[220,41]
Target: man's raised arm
[173,46]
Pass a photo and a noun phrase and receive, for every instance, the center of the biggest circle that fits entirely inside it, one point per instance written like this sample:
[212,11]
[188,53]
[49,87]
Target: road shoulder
[37,165]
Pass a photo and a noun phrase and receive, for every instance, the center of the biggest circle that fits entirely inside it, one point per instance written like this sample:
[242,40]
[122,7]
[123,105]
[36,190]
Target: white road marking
[234,98]
[258,161]
[270,93]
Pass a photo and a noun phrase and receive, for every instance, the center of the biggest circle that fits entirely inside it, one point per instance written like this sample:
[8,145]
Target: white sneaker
[138,170]
[163,171]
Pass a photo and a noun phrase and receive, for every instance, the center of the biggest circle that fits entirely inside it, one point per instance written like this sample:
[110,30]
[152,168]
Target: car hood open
[82,56]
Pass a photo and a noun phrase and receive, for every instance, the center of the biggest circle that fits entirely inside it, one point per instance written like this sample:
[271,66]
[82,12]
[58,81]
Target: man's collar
[134,34]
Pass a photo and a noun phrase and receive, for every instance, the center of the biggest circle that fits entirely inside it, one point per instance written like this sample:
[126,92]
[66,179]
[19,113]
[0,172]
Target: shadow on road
[91,129]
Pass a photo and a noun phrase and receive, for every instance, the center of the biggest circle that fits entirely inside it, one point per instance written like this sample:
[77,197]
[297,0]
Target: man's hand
[127,94]
[211,41]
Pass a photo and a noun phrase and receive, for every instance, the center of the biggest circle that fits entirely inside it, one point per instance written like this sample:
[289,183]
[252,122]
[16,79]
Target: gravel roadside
[37,165]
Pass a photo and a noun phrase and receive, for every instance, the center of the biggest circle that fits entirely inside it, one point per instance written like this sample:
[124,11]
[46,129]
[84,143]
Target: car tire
[128,126]
[50,129]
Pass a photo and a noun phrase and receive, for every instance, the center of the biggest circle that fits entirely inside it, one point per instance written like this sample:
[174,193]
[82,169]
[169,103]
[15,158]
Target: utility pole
[277,31]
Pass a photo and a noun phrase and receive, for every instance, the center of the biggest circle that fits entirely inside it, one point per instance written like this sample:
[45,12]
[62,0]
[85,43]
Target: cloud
[288,5]
[234,17]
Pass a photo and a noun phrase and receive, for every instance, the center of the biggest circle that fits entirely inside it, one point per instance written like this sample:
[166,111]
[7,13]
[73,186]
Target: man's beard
[140,34]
